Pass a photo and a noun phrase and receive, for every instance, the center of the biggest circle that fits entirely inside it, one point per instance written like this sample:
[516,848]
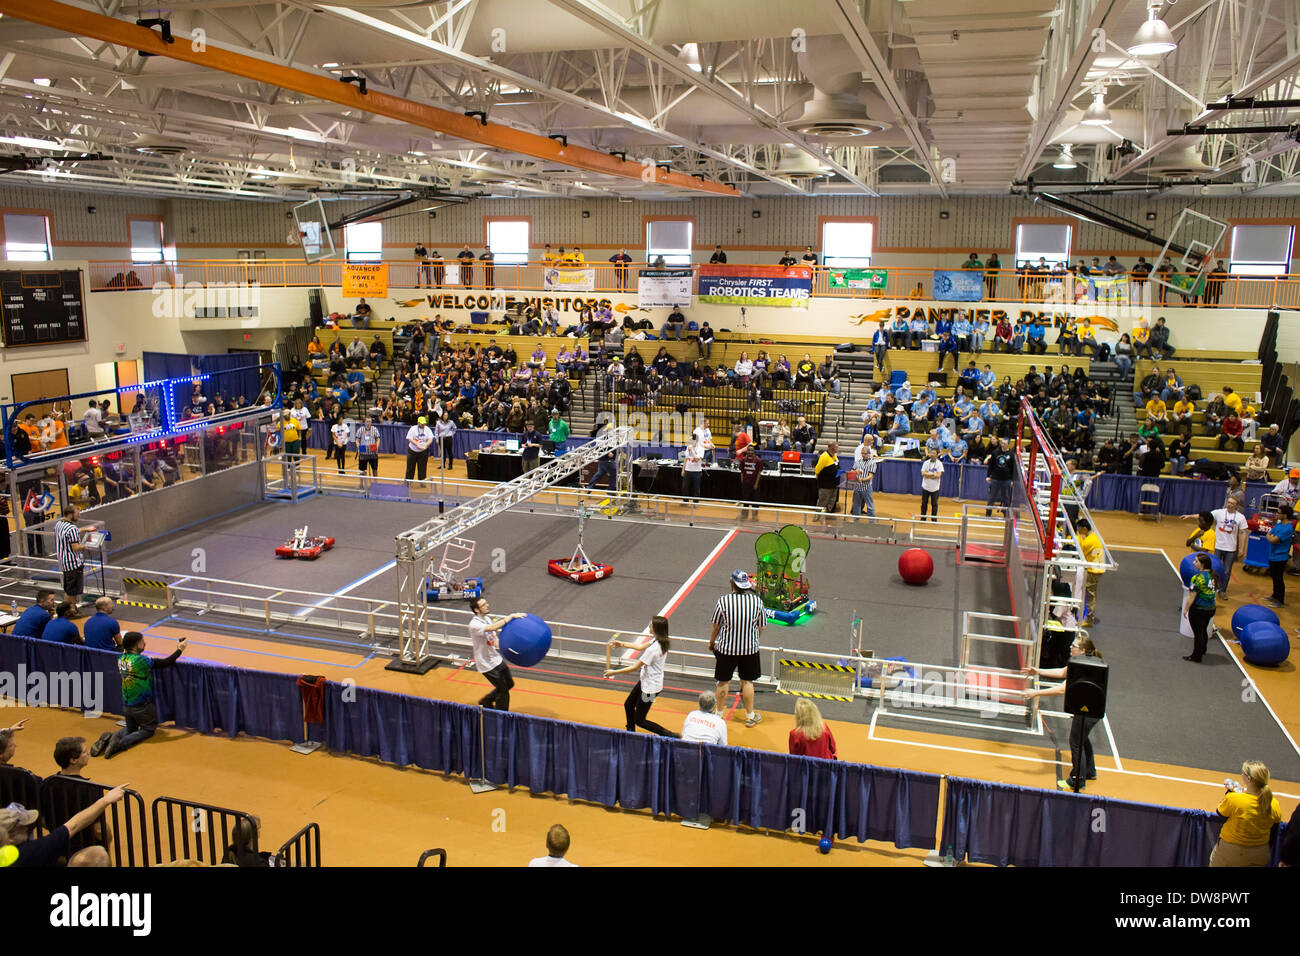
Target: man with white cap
[738,622]
[418,440]
[1288,489]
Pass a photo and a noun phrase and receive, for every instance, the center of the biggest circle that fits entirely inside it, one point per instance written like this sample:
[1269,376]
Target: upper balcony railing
[1007,285]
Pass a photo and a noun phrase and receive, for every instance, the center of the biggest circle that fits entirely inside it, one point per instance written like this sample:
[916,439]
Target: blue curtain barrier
[1178,496]
[1020,826]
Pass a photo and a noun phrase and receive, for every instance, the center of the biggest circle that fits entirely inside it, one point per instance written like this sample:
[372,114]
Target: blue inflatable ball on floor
[1186,569]
[824,845]
[1249,614]
[1265,643]
[525,640]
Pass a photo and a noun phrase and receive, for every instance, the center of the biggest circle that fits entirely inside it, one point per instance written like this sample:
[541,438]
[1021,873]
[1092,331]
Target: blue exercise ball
[1265,643]
[1187,568]
[824,845]
[1249,614]
[525,640]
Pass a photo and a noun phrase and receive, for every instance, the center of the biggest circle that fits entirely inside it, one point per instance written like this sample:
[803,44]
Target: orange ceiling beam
[85,23]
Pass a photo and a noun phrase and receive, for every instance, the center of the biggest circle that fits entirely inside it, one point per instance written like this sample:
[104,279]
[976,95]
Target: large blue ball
[1249,614]
[1187,568]
[1265,643]
[525,640]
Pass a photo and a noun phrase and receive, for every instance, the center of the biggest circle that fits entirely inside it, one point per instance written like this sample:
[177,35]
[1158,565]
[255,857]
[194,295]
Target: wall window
[670,238]
[1050,241]
[508,239]
[847,244]
[364,241]
[1261,250]
[146,240]
[27,237]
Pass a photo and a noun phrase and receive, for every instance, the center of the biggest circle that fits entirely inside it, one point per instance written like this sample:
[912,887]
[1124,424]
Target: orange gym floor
[374,814]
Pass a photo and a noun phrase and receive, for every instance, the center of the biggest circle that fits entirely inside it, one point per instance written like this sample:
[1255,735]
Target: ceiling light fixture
[1097,114]
[1065,160]
[1153,38]
[42,81]
[31,143]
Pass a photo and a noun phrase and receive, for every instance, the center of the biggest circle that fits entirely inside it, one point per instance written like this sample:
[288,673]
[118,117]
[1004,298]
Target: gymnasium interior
[322,322]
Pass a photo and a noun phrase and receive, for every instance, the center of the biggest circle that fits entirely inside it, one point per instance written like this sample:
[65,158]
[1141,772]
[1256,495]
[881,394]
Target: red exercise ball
[915,565]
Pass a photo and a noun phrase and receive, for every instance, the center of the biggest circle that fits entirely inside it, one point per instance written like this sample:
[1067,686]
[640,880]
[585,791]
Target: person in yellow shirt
[1202,539]
[1093,552]
[548,257]
[1183,410]
[1157,411]
[1251,811]
[292,436]
[1140,334]
[576,255]
[1232,399]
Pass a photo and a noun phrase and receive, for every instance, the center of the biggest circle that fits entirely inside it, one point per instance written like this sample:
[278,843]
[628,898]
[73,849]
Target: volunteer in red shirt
[810,737]
[751,469]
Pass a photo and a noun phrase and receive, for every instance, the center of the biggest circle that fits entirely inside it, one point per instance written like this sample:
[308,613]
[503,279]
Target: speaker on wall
[316,306]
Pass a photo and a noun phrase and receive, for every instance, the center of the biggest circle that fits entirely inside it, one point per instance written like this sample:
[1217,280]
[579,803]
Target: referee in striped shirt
[68,548]
[738,622]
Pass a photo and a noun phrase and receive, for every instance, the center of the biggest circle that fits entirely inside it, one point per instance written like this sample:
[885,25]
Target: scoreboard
[42,307]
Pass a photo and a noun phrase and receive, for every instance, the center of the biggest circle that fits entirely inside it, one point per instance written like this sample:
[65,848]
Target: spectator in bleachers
[918,330]
[1173,385]
[969,378]
[901,427]
[805,373]
[899,333]
[1230,432]
[621,261]
[1256,466]
[742,371]
[705,341]
[674,324]
[947,347]
[972,262]
[1214,283]
[1272,442]
[828,376]
[803,436]
[19,849]
[1036,338]
[781,374]
[1158,413]
[779,439]
[1150,388]
[1180,450]
[1152,462]
[809,258]
[1123,355]
[1067,340]
[1157,345]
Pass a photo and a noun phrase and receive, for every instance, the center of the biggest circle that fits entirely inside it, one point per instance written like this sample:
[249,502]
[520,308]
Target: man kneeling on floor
[141,715]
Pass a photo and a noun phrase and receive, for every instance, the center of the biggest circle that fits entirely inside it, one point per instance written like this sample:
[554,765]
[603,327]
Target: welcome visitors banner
[664,288]
[959,285]
[756,285]
[875,279]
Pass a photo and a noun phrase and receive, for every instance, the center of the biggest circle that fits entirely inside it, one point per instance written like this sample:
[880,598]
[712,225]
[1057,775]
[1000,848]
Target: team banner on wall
[756,285]
[959,285]
[663,288]
[875,279]
[364,278]
[1107,289]
[569,280]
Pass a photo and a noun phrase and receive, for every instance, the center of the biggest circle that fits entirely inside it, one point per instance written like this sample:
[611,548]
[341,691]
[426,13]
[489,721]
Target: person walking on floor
[1280,540]
[738,622]
[138,707]
[444,431]
[339,440]
[418,440]
[487,656]
[1083,766]
[653,650]
[931,476]
[1251,812]
[1230,536]
[1001,472]
[810,737]
[1200,614]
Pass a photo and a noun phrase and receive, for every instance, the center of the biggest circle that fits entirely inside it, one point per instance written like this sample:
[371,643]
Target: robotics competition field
[680,571]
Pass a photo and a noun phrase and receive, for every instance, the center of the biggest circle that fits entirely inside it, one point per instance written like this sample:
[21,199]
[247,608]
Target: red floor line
[694,579]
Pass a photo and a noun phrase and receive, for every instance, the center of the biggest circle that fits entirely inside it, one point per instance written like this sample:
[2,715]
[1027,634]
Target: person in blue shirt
[1036,338]
[940,410]
[880,343]
[957,452]
[961,331]
[875,403]
[920,409]
[989,411]
[903,394]
[1280,540]
[962,406]
[979,332]
[969,377]
[947,346]
[920,331]
[934,443]
[31,623]
[62,630]
[898,333]
[902,426]
[1018,337]
[928,393]
[101,629]
[974,427]
[941,326]
[987,380]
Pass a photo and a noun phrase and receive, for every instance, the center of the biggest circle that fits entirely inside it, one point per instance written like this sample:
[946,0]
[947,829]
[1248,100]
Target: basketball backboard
[1192,243]
[313,230]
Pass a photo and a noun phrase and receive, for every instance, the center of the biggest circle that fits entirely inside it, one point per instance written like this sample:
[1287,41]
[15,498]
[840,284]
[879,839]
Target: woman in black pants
[1280,540]
[445,431]
[1082,765]
[338,440]
[651,681]
[1203,589]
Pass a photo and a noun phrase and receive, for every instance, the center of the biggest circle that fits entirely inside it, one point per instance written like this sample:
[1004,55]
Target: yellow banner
[364,278]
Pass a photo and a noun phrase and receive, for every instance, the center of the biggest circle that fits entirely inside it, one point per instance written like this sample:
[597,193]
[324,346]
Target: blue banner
[756,285]
[959,285]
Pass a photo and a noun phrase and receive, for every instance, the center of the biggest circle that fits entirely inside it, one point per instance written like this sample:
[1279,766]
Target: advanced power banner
[664,288]
[756,285]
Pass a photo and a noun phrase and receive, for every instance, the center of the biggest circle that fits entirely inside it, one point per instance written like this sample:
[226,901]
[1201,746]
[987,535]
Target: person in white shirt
[704,437]
[487,658]
[1288,489]
[931,473]
[864,473]
[338,439]
[418,439]
[692,470]
[444,430]
[704,726]
[94,421]
[301,416]
[557,844]
[653,650]
[1231,533]
[744,368]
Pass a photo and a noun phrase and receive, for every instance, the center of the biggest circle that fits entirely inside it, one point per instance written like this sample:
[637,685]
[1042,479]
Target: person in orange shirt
[60,432]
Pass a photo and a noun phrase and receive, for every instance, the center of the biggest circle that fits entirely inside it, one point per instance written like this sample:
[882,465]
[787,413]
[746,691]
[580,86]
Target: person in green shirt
[1204,587]
[972,263]
[138,708]
[559,428]
[1148,430]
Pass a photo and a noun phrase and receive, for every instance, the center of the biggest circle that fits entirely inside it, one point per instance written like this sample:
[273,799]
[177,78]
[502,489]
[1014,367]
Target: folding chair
[1149,502]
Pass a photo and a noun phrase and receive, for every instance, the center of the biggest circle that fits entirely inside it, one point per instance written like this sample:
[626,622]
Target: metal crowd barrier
[197,831]
[301,849]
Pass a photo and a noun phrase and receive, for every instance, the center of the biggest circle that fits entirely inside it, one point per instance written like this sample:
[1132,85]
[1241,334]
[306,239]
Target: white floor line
[342,591]
[1061,763]
[1114,750]
[1253,686]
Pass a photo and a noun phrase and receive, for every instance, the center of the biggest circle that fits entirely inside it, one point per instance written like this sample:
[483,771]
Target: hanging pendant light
[1153,38]
[1066,159]
[1097,114]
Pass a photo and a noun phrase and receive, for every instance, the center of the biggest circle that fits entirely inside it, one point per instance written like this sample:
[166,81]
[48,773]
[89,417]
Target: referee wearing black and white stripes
[68,547]
[738,622]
